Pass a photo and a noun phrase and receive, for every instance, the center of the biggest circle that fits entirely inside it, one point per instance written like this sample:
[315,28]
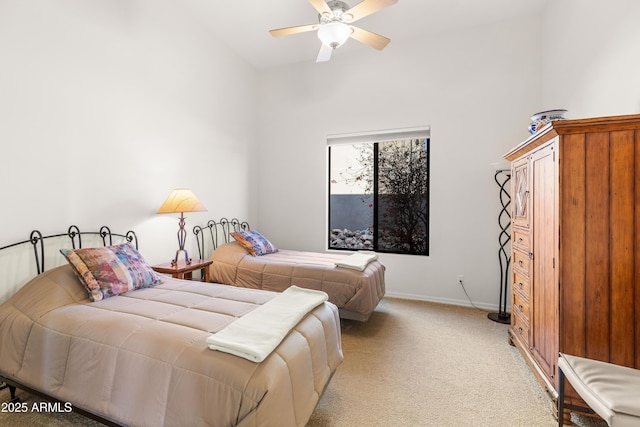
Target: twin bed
[355,291]
[142,358]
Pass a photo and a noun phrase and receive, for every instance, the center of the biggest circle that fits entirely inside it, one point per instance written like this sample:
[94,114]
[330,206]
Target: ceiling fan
[334,27]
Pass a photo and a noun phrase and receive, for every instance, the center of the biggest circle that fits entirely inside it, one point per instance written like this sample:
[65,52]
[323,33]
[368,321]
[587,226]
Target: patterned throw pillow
[254,242]
[111,270]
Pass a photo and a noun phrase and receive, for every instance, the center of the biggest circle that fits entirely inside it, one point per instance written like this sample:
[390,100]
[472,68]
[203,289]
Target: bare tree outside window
[387,185]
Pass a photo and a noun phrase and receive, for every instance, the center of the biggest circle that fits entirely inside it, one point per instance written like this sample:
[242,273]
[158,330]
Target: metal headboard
[75,235]
[218,231]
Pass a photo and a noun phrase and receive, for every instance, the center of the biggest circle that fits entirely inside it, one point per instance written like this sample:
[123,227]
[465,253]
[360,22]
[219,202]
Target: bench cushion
[606,387]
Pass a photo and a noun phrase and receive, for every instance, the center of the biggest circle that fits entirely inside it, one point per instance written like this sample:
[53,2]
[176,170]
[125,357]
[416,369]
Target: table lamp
[181,200]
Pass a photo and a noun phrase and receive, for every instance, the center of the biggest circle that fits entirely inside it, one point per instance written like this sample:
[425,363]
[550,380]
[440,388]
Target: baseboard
[449,301]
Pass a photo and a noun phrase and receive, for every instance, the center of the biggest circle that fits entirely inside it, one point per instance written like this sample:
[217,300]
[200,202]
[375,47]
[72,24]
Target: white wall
[474,88]
[591,57]
[105,107]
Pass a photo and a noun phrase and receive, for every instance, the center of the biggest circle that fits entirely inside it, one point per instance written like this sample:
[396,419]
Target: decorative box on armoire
[576,245]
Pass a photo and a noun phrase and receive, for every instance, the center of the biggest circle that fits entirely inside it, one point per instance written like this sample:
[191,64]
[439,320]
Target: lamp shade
[334,34]
[181,200]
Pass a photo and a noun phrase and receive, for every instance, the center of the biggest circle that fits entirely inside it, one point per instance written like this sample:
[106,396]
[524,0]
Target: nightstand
[184,271]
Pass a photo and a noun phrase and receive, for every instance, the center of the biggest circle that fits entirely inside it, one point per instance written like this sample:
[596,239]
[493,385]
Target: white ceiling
[244,24]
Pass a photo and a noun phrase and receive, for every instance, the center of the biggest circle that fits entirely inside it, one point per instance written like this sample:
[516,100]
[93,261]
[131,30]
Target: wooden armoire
[576,245]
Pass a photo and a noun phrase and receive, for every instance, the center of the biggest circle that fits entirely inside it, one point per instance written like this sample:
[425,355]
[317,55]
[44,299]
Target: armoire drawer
[521,239]
[521,284]
[521,261]
[520,305]
[520,327]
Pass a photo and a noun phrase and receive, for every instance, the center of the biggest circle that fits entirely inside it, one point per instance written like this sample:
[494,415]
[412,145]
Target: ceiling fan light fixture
[334,25]
[334,34]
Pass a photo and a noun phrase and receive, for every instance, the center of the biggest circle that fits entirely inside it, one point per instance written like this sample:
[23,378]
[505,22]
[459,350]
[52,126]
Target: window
[379,192]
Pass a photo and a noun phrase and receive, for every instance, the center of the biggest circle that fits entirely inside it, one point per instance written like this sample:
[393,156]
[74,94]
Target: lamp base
[500,317]
[187,260]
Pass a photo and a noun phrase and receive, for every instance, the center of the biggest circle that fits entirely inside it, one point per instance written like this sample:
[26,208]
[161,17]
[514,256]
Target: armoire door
[544,323]
[520,193]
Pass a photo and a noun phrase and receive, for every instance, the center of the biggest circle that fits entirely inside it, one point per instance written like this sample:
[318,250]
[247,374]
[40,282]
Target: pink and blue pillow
[111,270]
[254,242]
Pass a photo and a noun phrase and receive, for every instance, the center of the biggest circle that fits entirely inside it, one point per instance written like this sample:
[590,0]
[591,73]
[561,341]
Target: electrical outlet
[460,279]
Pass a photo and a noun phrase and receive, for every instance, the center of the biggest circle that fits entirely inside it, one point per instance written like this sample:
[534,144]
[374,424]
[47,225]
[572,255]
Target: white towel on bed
[255,335]
[358,260]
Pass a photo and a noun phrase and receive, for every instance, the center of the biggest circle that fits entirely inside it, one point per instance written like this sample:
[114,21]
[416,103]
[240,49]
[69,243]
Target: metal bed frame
[219,232]
[36,239]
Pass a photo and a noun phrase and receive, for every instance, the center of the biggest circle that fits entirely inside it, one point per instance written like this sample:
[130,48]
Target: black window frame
[376,201]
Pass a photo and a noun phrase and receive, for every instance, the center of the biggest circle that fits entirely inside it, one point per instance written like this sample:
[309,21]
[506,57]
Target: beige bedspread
[355,293]
[141,358]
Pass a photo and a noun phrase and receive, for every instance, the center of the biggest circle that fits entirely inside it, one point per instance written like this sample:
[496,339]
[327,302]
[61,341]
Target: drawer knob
[519,239]
[520,307]
[521,285]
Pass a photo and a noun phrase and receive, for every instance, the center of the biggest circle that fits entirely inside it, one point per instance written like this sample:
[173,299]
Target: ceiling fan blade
[325,53]
[366,8]
[293,30]
[322,7]
[374,40]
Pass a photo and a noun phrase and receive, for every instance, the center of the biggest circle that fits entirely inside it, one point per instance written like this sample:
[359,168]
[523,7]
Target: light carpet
[417,363]
[412,364]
